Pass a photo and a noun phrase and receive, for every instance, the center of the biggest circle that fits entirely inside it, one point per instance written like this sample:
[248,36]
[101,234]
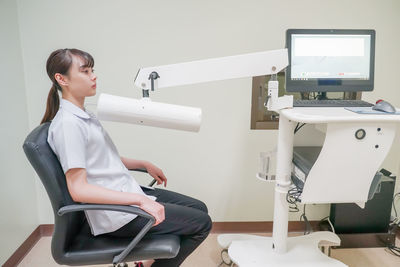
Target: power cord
[307,227]
[330,223]
[394,250]
[293,197]
[394,225]
[396,219]
[298,127]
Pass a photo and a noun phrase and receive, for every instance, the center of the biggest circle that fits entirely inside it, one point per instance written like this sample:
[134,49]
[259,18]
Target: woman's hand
[156,173]
[153,170]
[154,208]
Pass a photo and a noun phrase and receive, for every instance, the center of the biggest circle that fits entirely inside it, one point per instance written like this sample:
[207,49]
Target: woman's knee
[201,206]
[207,223]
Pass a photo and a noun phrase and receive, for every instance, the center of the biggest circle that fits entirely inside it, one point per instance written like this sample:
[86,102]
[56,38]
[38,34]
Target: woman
[95,173]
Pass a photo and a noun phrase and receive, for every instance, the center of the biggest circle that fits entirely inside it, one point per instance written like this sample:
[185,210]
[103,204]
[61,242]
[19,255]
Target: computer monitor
[330,60]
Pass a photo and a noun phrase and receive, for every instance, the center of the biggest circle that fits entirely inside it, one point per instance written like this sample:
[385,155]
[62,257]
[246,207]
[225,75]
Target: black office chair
[72,242]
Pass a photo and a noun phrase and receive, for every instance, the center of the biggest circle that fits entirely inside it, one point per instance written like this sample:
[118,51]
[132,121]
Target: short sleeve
[68,139]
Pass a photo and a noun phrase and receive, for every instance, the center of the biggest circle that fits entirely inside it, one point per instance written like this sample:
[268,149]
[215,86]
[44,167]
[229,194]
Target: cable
[394,204]
[292,204]
[307,228]
[395,223]
[293,197]
[394,250]
[323,219]
[330,223]
[298,127]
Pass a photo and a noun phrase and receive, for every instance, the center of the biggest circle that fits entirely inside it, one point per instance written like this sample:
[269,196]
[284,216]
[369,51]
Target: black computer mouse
[384,106]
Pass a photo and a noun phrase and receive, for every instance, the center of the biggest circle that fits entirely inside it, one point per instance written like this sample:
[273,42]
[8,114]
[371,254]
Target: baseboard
[256,227]
[26,246]
[217,228]
[46,229]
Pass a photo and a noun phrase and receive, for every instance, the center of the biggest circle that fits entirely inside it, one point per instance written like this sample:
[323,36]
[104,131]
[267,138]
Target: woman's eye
[87,71]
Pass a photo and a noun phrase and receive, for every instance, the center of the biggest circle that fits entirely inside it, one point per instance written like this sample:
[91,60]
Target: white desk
[342,173]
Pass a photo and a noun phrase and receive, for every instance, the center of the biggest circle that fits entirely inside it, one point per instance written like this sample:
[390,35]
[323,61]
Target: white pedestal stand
[347,181]
[279,250]
[302,251]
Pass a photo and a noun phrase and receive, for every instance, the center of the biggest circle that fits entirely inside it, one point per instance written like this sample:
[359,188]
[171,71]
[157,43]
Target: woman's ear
[60,79]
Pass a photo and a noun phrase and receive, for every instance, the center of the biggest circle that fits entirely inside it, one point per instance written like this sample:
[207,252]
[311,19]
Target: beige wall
[218,164]
[18,207]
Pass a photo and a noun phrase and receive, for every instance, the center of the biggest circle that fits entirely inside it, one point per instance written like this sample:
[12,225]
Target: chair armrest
[144,170]
[122,208]
[138,170]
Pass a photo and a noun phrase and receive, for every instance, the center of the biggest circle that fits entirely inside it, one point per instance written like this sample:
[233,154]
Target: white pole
[283,170]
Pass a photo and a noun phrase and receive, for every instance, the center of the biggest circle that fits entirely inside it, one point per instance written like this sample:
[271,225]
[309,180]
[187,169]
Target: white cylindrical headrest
[149,113]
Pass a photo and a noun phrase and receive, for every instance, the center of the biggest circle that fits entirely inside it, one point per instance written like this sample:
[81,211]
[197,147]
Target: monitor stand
[322,96]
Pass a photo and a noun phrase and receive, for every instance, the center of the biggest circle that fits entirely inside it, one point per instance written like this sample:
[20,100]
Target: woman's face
[81,81]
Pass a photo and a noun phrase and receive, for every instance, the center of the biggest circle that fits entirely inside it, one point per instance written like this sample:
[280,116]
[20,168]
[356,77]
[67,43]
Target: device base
[303,251]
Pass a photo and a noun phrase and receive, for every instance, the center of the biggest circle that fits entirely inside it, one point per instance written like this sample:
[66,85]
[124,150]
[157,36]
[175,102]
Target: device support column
[283,170]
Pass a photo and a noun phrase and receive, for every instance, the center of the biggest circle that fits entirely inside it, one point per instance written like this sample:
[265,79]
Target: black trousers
[184,216]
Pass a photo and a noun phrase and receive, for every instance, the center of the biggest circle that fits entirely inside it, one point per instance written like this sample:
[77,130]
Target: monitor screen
[330,60]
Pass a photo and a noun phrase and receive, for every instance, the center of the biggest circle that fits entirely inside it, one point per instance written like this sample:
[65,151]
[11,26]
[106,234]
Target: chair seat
[89,249]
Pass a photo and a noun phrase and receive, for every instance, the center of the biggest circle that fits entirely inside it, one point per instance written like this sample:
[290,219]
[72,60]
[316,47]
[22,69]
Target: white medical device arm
[223,68]
[146,112]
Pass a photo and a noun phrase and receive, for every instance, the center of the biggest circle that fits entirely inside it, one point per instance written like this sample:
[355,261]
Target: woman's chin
[93,93]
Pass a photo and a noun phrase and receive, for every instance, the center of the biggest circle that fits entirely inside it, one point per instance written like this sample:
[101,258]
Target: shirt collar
[74,109]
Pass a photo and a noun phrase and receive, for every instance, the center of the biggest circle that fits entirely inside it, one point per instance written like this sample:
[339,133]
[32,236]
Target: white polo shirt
[79,141]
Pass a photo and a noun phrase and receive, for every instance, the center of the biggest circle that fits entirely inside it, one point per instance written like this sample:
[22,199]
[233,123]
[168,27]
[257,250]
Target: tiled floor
[208,255]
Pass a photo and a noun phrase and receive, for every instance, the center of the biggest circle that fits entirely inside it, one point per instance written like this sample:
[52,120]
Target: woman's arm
[81,191]
[134,163]
[153,170]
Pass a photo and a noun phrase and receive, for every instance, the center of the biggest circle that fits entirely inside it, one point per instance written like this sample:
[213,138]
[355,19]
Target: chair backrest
[49,170]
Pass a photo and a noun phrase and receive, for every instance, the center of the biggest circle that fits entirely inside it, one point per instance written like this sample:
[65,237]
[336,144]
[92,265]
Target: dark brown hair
[60,61]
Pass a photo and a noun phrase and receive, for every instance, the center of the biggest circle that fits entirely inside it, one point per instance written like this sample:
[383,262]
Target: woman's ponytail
[53,104]
[60,62]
